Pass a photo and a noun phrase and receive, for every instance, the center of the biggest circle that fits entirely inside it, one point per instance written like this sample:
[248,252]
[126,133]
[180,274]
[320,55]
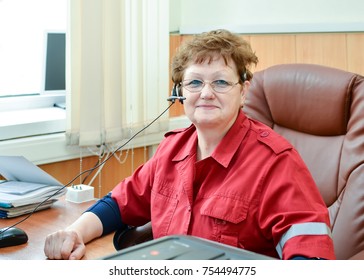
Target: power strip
[80,193]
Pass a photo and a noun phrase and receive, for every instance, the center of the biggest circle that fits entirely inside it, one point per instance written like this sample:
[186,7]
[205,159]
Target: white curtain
[118,69]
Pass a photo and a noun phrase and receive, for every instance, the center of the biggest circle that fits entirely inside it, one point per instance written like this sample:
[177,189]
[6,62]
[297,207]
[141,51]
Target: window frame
[21,111]
[25,116]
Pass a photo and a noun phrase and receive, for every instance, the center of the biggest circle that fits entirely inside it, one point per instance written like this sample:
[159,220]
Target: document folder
[25,184]
[18,168]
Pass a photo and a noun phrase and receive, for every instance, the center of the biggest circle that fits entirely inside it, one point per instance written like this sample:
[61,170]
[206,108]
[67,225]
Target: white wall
[268,16]
[174,15]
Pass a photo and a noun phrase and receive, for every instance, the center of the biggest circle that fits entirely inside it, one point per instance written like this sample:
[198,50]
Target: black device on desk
[181,247]
[12,236]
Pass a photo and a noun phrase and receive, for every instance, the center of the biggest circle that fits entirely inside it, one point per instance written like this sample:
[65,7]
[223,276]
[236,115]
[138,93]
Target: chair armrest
[132,236]
[358,256]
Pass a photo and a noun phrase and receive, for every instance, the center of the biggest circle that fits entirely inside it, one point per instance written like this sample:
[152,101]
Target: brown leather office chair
[320,110]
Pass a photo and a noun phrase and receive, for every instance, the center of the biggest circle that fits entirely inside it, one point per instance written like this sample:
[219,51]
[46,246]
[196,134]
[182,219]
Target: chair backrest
[320,110]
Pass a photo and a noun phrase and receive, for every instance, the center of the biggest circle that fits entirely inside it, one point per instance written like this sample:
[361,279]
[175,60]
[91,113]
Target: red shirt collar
[228,146]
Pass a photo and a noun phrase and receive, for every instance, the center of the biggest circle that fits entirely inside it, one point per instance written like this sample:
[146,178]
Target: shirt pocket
[227,215]
[163,208]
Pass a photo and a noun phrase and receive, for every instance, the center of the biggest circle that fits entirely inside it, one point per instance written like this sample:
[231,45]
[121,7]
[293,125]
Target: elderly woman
[226,177]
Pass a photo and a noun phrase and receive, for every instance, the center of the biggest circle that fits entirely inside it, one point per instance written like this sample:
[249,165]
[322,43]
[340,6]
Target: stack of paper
[27,188]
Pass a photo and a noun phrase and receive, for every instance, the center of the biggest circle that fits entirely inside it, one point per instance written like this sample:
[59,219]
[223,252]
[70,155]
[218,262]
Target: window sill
[50,148]
[37,134]
[40,149]
[24,123]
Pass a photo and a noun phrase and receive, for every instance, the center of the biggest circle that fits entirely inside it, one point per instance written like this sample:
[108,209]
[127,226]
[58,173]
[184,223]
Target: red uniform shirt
[253,192]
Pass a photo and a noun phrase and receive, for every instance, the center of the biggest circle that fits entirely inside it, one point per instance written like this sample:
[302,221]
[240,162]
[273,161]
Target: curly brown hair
[206,45]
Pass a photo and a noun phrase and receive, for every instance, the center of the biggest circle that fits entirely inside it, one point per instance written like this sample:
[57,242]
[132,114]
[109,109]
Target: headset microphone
[174,98]
[175,95]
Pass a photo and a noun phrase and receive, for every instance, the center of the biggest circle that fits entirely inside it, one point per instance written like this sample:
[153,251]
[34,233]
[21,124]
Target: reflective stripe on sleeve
[312,228]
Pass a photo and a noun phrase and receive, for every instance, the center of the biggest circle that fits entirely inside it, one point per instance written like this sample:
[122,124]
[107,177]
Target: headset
[176,94]
[243,77]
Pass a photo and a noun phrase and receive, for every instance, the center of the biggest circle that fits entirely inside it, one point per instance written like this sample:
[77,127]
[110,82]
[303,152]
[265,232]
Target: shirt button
[220,222]
[264,133]
[189,208]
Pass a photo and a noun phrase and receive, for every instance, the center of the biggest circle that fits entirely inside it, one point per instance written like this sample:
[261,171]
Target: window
[110,42]
[32,54]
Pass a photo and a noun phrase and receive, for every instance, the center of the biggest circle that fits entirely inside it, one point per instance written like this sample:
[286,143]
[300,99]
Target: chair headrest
[309,98]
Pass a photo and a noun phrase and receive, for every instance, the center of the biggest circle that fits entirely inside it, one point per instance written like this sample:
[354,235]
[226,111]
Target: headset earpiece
[175,91]
[175,94]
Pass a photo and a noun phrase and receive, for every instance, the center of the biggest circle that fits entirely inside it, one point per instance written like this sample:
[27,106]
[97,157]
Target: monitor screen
[55,62]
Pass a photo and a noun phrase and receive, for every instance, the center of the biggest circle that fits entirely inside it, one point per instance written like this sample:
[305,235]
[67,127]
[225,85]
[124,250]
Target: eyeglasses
[220,86]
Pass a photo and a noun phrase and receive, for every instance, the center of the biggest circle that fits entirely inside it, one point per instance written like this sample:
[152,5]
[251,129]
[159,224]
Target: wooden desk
[44,222]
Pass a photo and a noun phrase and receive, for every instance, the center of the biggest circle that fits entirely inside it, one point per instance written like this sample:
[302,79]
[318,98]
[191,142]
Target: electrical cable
[88,170]
[92,169]
[98,172]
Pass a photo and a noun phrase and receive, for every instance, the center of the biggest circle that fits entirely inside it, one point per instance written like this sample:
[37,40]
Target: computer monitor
[54,80]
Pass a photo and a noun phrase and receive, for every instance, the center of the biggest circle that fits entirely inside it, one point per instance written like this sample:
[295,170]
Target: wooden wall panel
[273,49]
[324,49]
[355,52]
